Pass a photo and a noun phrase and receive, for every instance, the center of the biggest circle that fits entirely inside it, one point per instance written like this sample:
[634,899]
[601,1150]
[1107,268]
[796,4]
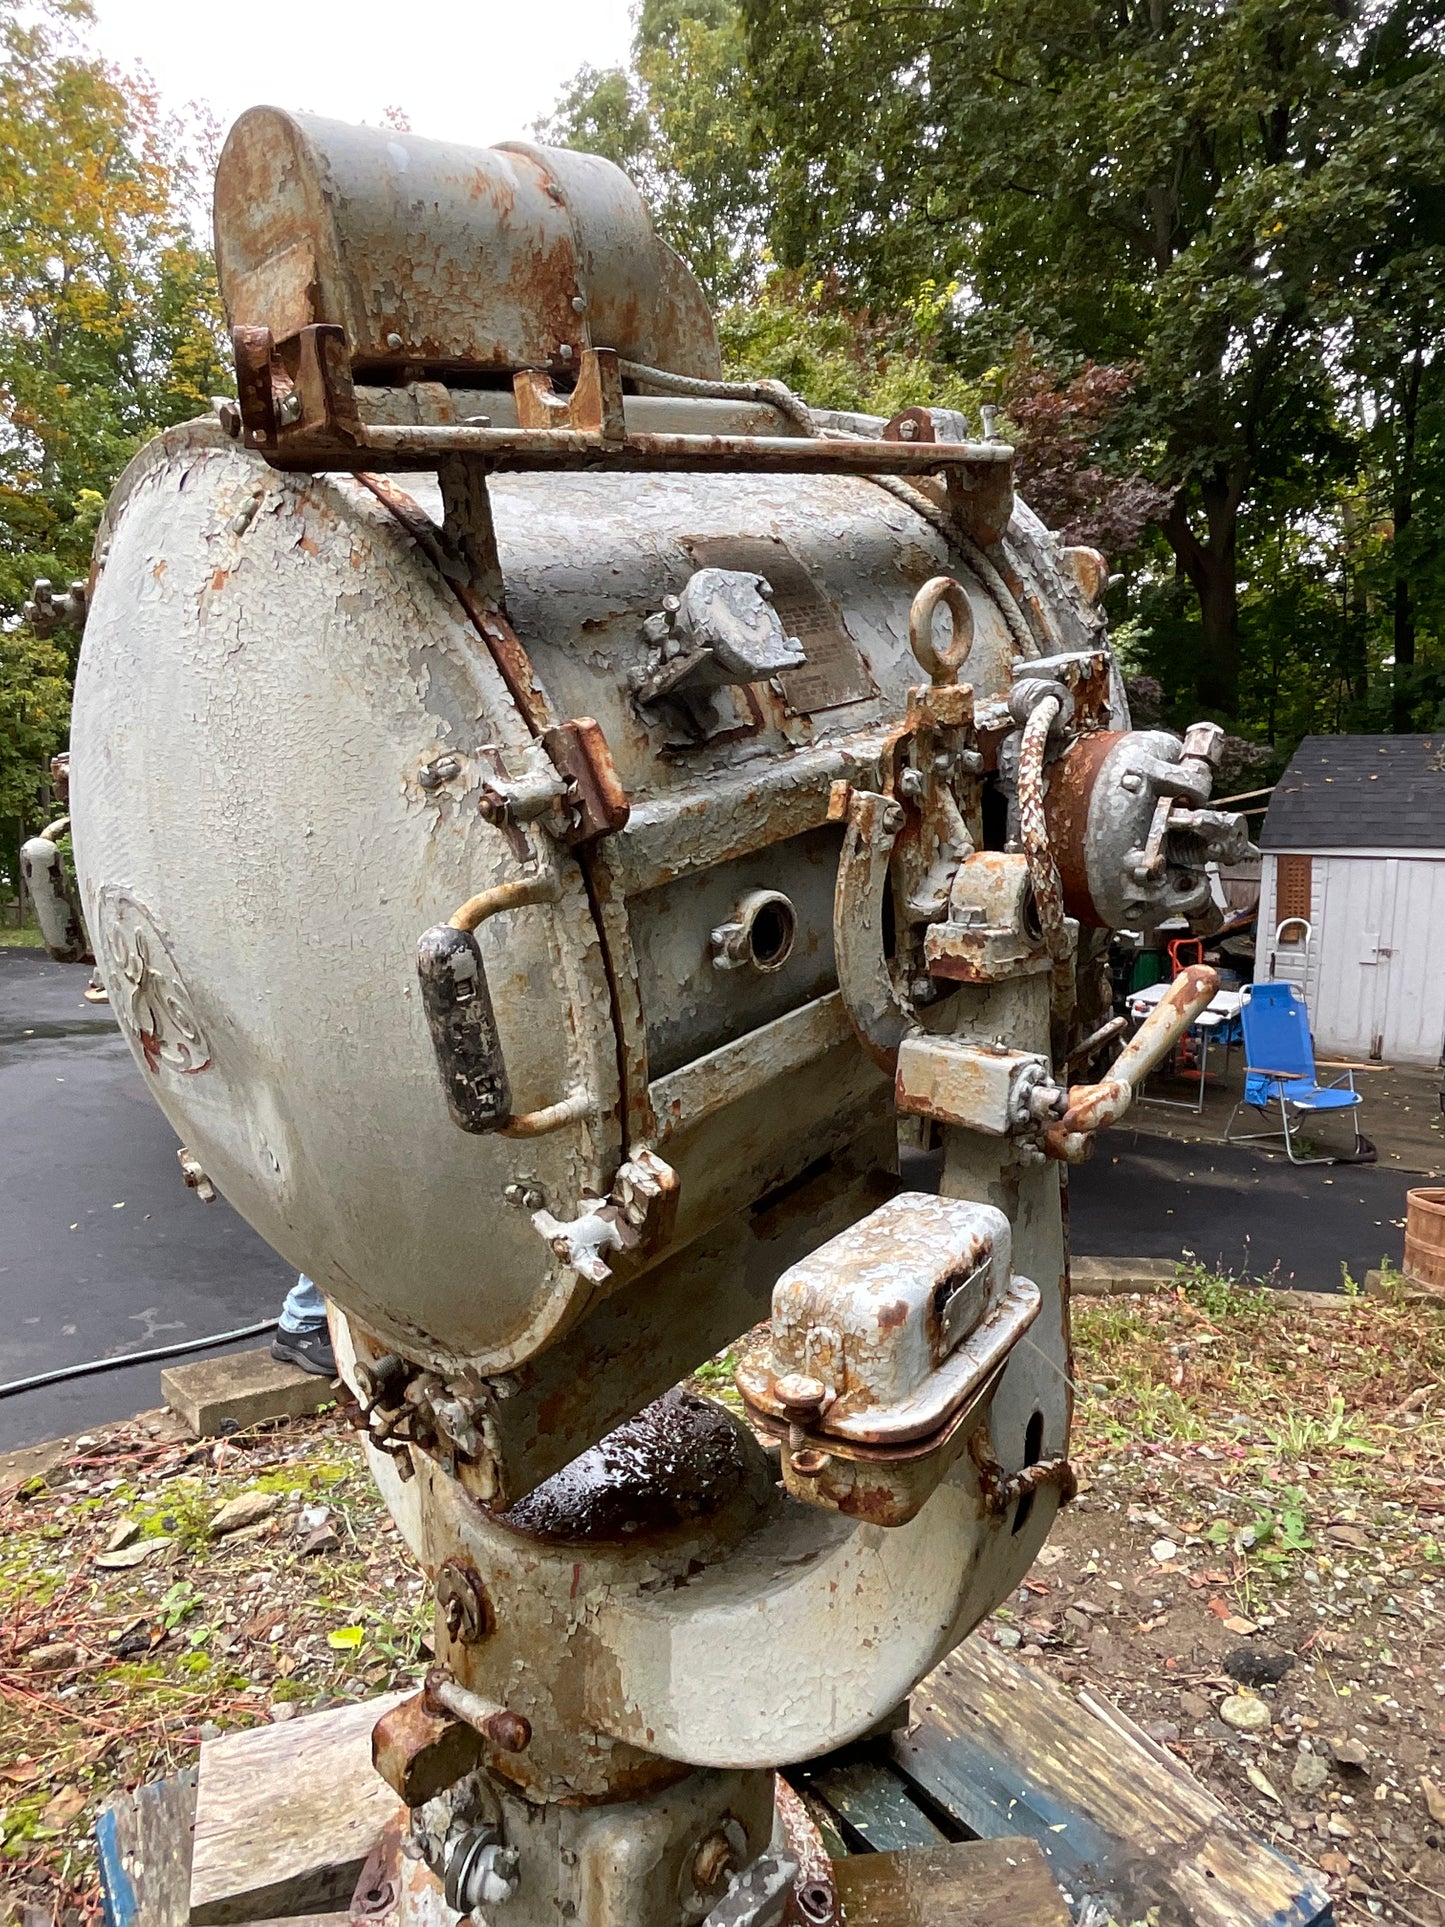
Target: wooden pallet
[1003,1802]
[996,1749]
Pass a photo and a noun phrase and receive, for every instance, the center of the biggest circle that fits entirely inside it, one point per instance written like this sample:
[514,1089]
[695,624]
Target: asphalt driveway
[102,1248]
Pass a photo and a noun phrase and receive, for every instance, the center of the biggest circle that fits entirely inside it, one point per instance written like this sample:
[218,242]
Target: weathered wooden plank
[1006,1751]
[970,1883]
[877,1803]
[286,1815]
[143,1849]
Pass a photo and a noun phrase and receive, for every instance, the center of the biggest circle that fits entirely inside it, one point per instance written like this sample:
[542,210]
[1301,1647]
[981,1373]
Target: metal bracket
[880,1016]
[594,406]
[303,389]
[614,1234]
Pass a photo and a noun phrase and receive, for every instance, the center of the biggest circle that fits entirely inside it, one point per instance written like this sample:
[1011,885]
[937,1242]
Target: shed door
[1410,1024]
[1356,920]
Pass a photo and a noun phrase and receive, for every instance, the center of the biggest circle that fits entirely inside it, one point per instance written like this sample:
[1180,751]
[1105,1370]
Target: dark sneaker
[310,1350]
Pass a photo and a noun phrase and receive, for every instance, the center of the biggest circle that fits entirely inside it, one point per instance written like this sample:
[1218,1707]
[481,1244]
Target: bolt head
[395,343]
[579,304]
[564,352]
[908,431]
[800,1396]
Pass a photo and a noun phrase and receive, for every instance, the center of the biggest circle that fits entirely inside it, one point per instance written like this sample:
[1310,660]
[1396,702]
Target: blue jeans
[304,1310]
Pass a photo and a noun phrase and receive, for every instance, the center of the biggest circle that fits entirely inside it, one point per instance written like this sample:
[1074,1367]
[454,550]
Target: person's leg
[301,1335]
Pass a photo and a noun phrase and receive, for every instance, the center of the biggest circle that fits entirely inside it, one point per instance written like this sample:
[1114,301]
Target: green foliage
[802,333]
[109,329]
[679,122]
[1240,198]
[1222,1296]
[34,716]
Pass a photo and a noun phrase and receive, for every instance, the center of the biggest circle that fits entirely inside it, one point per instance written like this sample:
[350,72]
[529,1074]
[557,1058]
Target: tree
[1057,423]
[109,330]
[1188,185]
[1395,328]
[679,122]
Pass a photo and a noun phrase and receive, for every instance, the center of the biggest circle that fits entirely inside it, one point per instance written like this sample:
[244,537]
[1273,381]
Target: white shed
[1354,867]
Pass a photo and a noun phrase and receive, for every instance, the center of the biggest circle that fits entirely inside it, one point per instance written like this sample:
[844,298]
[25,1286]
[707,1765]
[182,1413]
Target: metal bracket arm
[879,1015]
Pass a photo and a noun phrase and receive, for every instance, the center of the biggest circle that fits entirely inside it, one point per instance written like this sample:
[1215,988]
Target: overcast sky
[463,70]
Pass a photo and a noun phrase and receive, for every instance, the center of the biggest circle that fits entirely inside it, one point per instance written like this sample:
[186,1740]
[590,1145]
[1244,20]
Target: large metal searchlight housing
[551,822]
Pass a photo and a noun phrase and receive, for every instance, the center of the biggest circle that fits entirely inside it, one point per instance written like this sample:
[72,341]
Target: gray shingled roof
[1360,792]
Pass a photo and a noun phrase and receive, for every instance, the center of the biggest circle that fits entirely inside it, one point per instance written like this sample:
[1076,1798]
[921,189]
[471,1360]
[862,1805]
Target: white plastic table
[1218,1014]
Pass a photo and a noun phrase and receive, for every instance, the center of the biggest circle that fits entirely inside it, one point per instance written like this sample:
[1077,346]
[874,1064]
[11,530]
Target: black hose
[135,1358]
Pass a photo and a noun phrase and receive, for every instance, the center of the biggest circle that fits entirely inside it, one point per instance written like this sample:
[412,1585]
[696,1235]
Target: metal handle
[463,1024]
[1093,1107]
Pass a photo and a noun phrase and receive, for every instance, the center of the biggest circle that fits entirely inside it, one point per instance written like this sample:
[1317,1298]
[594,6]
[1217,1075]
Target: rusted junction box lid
[451,260]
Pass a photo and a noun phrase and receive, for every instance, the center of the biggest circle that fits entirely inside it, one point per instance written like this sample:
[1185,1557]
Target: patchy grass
[111,1676]
[1262,1511]
[1260,1476]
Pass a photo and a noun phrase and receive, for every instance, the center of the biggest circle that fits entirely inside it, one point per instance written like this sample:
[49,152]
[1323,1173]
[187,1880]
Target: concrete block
[1115,1277]
[241,1389]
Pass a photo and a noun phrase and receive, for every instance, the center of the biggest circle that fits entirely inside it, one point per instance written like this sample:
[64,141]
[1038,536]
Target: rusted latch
[569,784]
[596,803]
[1001,1489]
[612,1234]
[300,391]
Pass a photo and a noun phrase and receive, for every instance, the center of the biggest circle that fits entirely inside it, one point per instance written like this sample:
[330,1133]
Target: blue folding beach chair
[1279,1063]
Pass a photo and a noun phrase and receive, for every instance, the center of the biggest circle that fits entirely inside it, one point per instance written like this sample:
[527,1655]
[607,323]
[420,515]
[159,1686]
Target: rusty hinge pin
[507,1730]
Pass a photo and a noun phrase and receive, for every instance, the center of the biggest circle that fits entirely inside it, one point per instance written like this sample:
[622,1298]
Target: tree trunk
[1404,508]
[1211,568]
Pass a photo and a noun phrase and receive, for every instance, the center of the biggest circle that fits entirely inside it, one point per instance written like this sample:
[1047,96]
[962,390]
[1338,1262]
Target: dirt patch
[1260,1538]
[1255,1569]
[130,1629]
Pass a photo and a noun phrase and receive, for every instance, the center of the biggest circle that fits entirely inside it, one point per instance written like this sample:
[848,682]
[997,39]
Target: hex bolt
[579,304]
[229,416]
[908,431]
[395,343]
[526,1194]
[564,352]
[440,770]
